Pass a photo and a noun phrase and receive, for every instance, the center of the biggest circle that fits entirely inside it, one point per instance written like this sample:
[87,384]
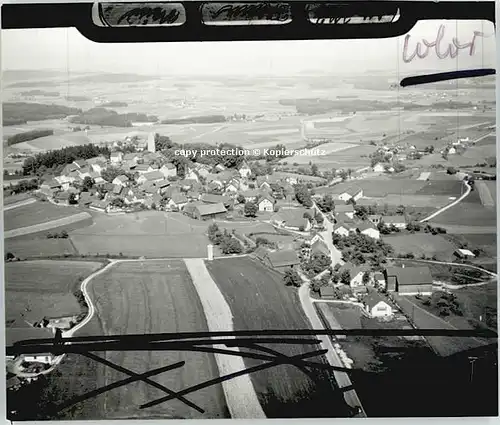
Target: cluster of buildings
[150,181]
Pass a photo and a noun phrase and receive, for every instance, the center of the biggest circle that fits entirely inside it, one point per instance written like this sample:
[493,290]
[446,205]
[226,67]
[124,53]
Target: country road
[335,254]
[19,204]
[342,378]
[447,207]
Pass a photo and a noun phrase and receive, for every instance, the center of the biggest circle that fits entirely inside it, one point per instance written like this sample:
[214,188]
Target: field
[25,248]
[12,199]
[422,244]
[443,345]
[259,300]
[487,192]
[469,212]
[148,233]
[44,288]
[153,297]
[37,213]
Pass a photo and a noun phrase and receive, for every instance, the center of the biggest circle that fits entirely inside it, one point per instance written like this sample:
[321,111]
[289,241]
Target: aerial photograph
[187,226]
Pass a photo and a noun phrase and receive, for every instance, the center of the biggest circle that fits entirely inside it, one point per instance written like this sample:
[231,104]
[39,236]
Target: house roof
[292,217]
[142,167]
[208,209]
[162,183]
[268,197]
[123,178]
[100,204]
[169,166]
[410,275]
[179,198]
[62,196]
[251,193]
[352,191]
[373,298]
[353,269]
[153,175]
[283,258]
[13,335]
[116,154]
[320,246]
[394,219]
[344,208]
[52,183]
[327,291]
[365,225]
[210,198]
[80,162]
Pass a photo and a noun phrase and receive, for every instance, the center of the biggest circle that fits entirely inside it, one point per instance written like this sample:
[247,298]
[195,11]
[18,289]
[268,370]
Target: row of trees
[22,187]
[224,239]
[360,249]
[303,195]
[28,135]
[46,161]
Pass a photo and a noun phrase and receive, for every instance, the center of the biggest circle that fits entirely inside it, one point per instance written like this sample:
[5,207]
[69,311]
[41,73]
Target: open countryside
[110,232]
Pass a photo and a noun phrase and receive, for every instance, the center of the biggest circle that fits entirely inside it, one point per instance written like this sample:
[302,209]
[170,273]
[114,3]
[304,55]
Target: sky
[67,50]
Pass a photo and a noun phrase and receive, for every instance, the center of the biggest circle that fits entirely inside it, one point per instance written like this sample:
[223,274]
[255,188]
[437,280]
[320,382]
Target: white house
[244,170]
[266,203]
[397,221]
[340,229]
[378,168]
[376,306]
[120,180]
[353,193]
[116,157]
[347,209]
[168,170]
[367,228]
[191,175]
[452,151]
[178,200]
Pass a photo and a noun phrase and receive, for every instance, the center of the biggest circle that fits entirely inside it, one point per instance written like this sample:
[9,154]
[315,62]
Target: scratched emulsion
[227,12]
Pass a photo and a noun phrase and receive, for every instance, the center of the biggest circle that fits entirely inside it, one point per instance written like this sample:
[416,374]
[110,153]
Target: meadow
[153,297]
[36,213]
[35,289]
[422,244]
[260,300]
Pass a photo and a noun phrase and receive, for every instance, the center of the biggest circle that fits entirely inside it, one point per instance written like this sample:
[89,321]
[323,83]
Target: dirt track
[240,394]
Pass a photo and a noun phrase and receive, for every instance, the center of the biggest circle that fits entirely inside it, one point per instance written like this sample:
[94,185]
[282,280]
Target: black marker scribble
[143,16]
[422,48]
[261,11]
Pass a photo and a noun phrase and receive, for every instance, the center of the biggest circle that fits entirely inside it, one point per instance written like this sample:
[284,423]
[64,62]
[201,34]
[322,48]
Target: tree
[451,170]
[343,175]
[303,195]
[118,203]
[88,183]
[241,199]
[366,278]
[345,277]
[292,278]
[111,173]
[251,209]
[229,245]
[72,199]
[319,218]
[162,143]
[314,170]
[9,256]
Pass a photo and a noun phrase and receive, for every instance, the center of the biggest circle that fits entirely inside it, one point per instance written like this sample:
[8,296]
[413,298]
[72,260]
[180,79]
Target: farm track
[19,204]
[485,194]
[240,394]
[65,221]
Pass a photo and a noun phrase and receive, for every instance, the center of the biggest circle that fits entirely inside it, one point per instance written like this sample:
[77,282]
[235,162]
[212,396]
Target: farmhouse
[178,200]
[292,218]
[341,229]
[327,292]
[378,168]
[168,170]
[13,335]
[153,176]
[266,203]
[376,306]
[464,254]
[101,206]
[356,274]
[205,211]
[409,280]
[209,198]
[347,209]
[116,157]
[397,221]
[354,193]
[369,229]
[282,260]
[120,180]
[50,184]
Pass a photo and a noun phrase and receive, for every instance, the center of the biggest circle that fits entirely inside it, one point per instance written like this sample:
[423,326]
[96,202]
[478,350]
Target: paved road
[342,378]
[19,204]
[446,207]
[335,254]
